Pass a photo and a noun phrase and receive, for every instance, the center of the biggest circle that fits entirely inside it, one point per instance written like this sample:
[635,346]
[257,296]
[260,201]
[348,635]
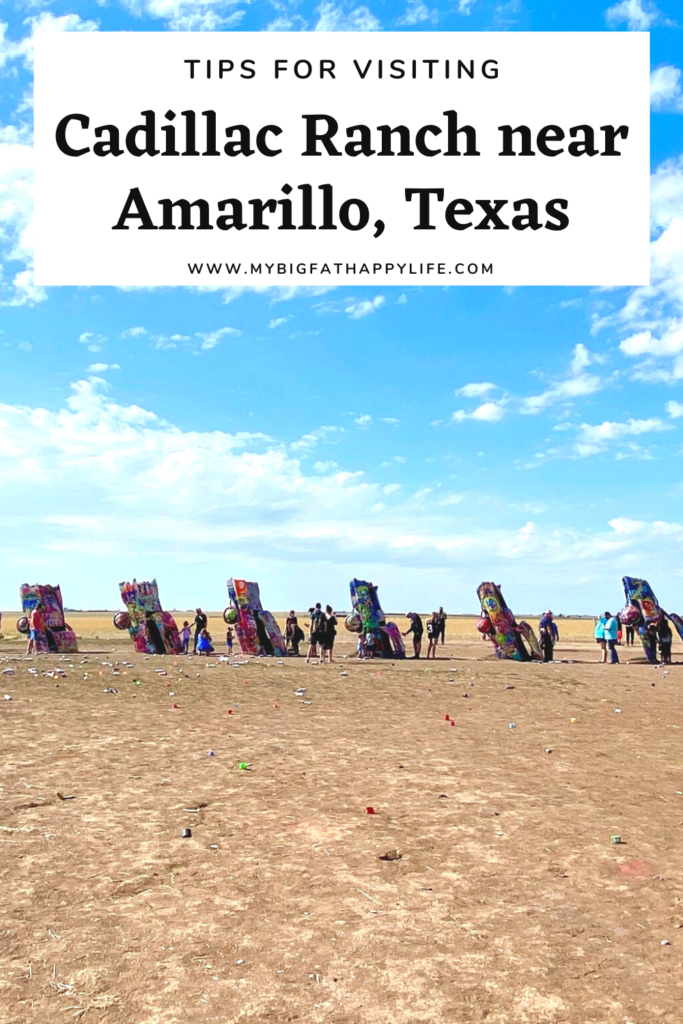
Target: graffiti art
[152,630]
[367,617]
[55,637]
[257,631]
[511,639]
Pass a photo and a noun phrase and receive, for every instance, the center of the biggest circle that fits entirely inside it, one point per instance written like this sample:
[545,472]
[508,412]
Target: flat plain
[507,901]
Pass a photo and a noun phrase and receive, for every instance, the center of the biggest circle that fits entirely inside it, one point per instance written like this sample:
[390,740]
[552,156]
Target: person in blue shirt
[204,645]
[600,638]
[611,631]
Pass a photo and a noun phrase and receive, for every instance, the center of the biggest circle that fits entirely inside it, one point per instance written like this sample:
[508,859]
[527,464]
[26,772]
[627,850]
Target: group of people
[608,635]
[436,630]
[322,633]
[203,643]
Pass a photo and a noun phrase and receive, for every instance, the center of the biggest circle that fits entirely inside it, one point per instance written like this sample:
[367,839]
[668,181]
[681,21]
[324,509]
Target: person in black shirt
[546,640]
[665,638]
[293,634]
[200,623]
[318,623]
[417,629]
[330,634]
[442,624]
[433,632]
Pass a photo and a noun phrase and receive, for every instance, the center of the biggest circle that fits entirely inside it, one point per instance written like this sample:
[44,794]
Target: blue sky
[427,439]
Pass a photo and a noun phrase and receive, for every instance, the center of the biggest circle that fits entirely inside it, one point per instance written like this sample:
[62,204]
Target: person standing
[330,634]
[546,638]
[36,626]
[433,634]
[665,637]
[317,637]
[630,636]
[600,638]
[442,624]
[200,623]
[417,629]
[185,637]
[611,637]
[293,634]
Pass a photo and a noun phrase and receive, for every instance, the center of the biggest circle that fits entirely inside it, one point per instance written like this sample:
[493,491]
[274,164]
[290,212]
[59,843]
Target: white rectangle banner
[233,159]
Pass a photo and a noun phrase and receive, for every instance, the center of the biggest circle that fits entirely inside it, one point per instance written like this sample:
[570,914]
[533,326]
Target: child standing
[369,645]
[228,639]
[361,648]
[185,636]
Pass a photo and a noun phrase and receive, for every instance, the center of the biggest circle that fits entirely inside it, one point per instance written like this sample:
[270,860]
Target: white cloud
[340,18]
[594,438]
[646,343]
[102,367]
[582,358]
[364,307]
[108,461]
[94,342]
[626,526]
[278,322]
[665,88]
[354,308]
[416,12]
[654,313]
[325,466]
[323,435]
[636,15]
[22,49]
[190,15]
[633,527]
[287,23]
[577,385]
[211,339]
[488,412]
[674,409]
[475,390]
[573,387]
[17,287]
[363,421]
[391,421]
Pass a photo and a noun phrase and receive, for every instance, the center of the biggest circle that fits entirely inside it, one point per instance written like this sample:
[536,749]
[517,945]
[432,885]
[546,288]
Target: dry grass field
[507,902]
[99,625]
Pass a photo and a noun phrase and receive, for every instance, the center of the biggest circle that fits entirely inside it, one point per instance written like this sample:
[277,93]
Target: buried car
[642,610]
[152,630]
[56,637]
[367,617]
[511,639]
[257,631]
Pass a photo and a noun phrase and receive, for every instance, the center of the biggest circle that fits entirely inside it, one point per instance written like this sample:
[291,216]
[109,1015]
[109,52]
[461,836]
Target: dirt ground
[509,903]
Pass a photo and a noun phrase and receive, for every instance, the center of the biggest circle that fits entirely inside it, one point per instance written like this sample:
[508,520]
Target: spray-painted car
[367,617]
[257,631]
[511,639]
[642,609]
[57,637]
[152,630]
